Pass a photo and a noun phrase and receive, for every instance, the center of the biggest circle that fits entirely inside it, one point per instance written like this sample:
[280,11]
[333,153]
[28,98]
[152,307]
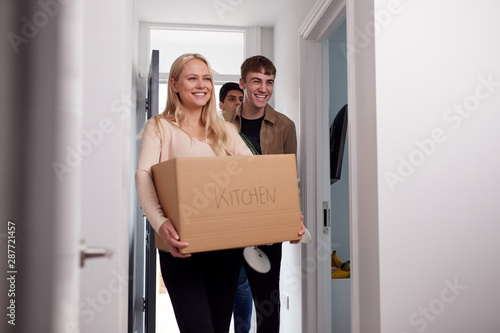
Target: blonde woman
[201,286]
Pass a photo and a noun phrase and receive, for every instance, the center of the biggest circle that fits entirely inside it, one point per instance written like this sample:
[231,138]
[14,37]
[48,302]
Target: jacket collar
[269,113]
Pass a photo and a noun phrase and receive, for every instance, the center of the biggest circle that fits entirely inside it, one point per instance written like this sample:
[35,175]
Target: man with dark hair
[270,132]
[230,96]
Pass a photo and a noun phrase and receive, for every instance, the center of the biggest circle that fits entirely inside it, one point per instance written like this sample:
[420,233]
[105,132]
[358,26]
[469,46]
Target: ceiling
[241,13]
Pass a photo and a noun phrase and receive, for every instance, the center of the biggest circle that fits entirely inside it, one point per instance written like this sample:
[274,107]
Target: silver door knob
[93,252]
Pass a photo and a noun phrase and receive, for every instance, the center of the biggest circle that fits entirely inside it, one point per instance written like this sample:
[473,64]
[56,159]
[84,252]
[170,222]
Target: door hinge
[144,304]
[147,105]
[147,239]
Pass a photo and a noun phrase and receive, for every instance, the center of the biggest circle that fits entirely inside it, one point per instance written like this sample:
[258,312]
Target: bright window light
[224,50]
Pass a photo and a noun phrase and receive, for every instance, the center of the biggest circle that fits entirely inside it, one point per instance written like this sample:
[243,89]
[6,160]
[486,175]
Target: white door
[91,204]
[41,90]
[82,56]
[325,311]
[106,164]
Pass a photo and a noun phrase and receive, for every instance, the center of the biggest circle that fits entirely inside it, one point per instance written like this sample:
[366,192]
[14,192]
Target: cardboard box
[229,201]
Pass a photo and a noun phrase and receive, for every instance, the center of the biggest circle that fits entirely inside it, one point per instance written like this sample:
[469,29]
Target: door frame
[321,22]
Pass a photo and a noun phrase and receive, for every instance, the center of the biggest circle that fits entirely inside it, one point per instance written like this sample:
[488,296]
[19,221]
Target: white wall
[267,42]
[286,100]
[438,97]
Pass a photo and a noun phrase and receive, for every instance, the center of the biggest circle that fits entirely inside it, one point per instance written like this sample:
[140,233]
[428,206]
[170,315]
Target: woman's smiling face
[194,85]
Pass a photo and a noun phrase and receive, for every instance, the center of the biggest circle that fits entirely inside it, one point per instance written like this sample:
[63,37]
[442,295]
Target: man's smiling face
[258,88]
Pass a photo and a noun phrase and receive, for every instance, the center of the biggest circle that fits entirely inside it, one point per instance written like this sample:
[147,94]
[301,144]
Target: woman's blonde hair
[215,128]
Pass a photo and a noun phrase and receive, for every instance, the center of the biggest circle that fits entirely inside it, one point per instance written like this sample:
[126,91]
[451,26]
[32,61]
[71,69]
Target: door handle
[93,252]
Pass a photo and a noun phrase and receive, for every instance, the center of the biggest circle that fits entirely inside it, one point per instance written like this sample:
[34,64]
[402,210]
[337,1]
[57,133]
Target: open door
[142,293]
[39,229]
[150,293]
[143,255]
[340,240]
[150,288]
[66,170]
[327,305]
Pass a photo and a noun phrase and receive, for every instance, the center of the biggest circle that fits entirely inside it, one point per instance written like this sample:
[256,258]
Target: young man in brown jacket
[270,132]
